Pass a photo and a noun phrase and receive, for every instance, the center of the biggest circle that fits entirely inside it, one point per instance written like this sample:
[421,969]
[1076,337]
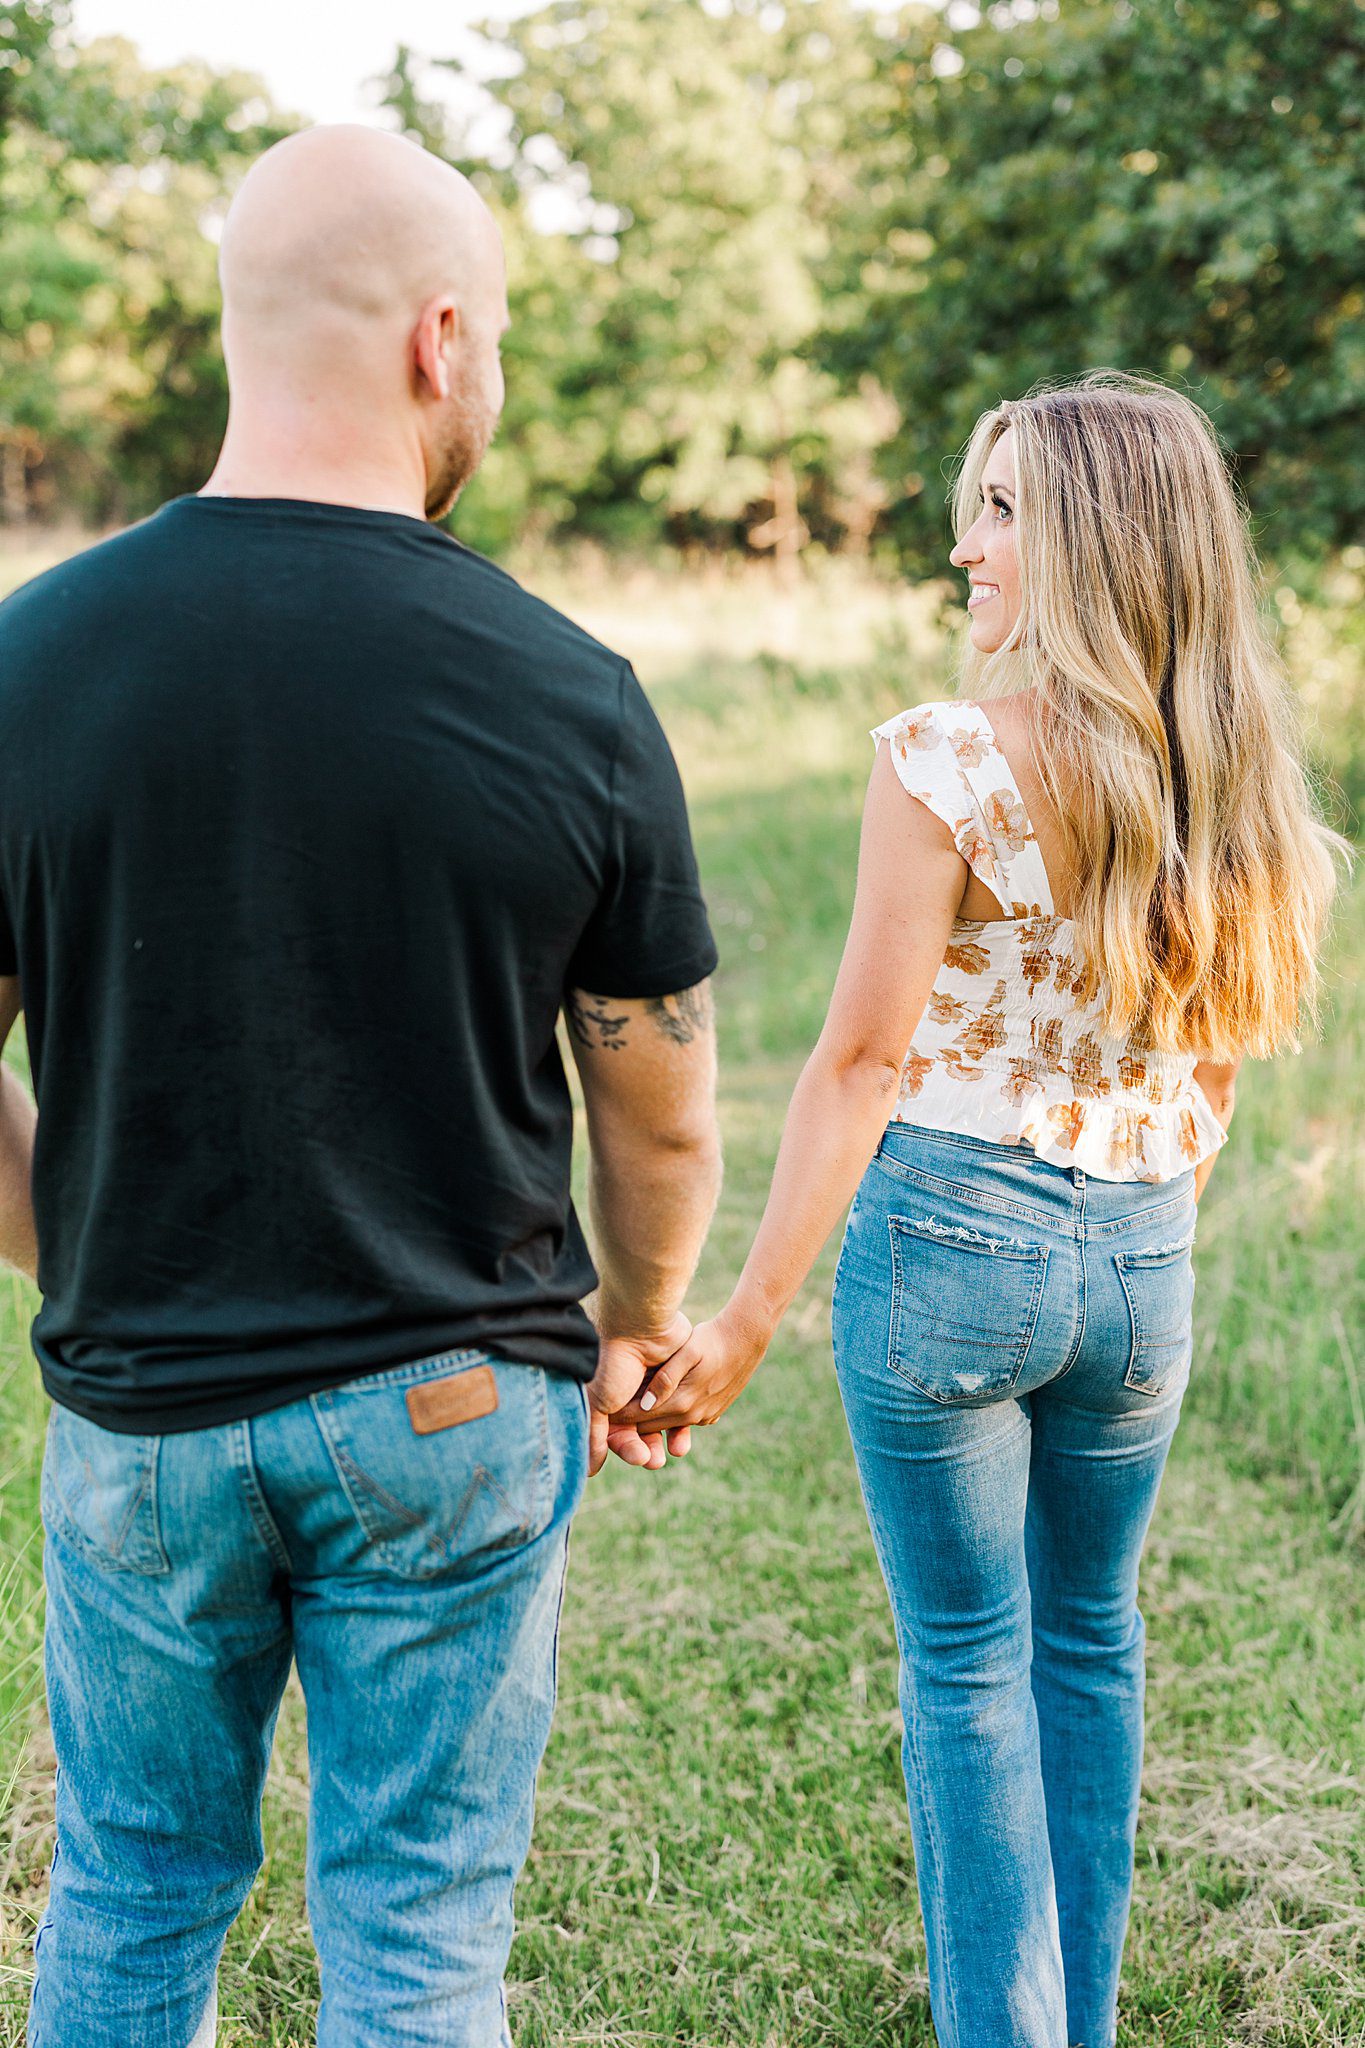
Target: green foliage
[808,245]
[26,30]
[659,376]
[1176,187]
[112,390]
[768,258]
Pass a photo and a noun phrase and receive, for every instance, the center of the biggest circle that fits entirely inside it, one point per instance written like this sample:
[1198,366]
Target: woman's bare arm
[1218,1082]
[911,879]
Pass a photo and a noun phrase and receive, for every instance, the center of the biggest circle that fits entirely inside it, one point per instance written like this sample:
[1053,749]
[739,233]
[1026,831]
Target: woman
[1085,891]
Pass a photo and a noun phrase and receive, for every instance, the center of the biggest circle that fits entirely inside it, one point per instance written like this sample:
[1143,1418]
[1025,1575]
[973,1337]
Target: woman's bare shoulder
[1018,709]
[1014,721]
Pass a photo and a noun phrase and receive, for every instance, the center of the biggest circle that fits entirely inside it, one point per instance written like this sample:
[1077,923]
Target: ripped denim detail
[964,1307]
[958,1233]
[1165,1251]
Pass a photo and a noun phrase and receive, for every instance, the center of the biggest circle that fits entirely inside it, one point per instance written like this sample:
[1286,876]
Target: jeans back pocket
[452,1499]
[100,1489]
[964,1307]
[1159,1287]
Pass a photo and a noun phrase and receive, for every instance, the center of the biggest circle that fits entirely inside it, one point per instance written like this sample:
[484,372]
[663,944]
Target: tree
[768,258]
[112,389]
[1175,186]
[26,29]
[658,369]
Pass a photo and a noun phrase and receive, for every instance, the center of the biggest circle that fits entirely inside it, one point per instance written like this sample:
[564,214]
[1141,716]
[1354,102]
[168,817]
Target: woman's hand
[705,1374]
[622,1366]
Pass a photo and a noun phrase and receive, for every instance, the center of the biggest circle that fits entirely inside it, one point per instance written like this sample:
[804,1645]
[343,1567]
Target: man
[310,822]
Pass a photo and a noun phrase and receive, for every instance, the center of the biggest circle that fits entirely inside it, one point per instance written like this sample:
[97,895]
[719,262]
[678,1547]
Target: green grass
[721,1855]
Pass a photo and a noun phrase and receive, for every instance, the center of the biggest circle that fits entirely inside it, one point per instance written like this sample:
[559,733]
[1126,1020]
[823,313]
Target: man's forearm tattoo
[593,1023]
[683,1016]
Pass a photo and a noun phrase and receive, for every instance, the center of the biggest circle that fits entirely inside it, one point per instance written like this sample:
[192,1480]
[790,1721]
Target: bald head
[363,284]
[351,223]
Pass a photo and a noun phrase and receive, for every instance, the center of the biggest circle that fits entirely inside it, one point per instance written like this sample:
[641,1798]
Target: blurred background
[769,259]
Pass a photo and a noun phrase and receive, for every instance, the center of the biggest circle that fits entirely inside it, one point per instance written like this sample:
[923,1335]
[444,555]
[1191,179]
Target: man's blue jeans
[416,1579]
[1012,1341]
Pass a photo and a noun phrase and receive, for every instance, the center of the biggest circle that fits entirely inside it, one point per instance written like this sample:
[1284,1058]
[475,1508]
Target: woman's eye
[1001,506]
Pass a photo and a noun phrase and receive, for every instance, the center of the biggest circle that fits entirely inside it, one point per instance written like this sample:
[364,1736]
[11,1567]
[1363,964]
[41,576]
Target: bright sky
[314,55]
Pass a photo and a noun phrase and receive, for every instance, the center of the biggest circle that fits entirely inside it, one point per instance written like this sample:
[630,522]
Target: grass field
[722,1856]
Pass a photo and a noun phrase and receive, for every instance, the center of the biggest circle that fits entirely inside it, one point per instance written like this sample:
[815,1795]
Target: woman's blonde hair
[1204,872]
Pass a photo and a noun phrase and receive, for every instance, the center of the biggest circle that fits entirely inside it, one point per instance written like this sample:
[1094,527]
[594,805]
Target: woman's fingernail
[646,1400]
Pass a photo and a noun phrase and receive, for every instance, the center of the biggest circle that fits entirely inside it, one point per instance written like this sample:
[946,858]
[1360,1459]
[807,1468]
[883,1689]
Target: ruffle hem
[1126,1140]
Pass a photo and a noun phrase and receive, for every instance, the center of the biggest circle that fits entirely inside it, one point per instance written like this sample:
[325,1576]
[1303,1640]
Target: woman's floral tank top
[1006,1049]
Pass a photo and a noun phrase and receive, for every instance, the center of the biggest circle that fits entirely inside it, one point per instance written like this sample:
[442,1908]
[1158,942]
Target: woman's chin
[985,638]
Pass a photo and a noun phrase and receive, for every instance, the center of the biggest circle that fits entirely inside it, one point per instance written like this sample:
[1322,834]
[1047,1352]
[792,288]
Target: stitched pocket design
[1159,1287]
[451,1500]
[964,1307]
[100,1489]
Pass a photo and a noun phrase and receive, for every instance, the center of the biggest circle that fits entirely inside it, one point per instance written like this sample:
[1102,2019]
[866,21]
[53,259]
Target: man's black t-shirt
[309,816]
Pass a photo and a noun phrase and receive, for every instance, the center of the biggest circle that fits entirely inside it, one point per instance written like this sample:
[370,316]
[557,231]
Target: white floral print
[1011,1046]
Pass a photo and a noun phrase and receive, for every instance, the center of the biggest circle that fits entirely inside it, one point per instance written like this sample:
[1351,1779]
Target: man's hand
[648,1068]
[623,1364]
[705,1374]
[18,1123]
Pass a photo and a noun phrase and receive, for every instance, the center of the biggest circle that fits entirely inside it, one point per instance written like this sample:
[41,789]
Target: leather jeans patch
[440,1404]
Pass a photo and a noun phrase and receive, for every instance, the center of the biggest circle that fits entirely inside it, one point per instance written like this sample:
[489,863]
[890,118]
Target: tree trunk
[789,527]
[786,533]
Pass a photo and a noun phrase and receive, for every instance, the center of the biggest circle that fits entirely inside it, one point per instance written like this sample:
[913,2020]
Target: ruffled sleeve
[928,760]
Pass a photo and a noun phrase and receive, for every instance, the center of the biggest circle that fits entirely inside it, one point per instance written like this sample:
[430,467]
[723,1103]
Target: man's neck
[257,471]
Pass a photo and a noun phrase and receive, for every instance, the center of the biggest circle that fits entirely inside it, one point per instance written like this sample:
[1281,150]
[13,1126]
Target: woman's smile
[987,554]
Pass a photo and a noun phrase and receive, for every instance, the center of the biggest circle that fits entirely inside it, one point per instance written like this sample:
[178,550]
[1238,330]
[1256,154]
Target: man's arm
[18,1121]
[648,1068]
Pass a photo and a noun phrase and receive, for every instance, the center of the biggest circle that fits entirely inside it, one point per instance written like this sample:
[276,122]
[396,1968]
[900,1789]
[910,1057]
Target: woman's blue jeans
[1013,1341]
[416,1578]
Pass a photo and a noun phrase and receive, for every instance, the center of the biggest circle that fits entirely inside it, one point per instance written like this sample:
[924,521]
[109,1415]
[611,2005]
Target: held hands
[623,1364]
[693,1387]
